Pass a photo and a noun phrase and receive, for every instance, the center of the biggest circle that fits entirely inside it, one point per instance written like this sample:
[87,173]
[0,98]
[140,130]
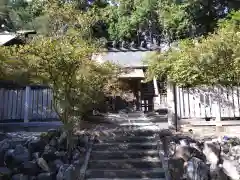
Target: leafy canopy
[206,60]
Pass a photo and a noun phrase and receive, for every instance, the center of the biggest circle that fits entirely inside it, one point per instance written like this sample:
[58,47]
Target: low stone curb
[87,157]
[164,159]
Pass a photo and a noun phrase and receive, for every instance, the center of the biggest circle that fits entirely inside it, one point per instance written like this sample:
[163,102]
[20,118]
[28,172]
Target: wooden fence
[33,104]
[203,102]
[36,104]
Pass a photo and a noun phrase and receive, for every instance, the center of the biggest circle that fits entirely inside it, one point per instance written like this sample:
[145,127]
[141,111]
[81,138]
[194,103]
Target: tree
[64,64]
[205,60]
[211,60]
[168,19]
[62,61]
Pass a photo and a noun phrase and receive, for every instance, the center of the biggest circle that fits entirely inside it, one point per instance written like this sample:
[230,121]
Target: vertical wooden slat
[34,104]
[44,103]
[5,105]
[201,104]
[194,102]
[238,100]
[1,103]
[8,106]
[184,104]
[189,105]
[231,101]
[210,101]
[179,102]
[30,112]
[223,103]
[17,104]
[47,108]
[14,104]
[22,103]
[186,101]
[236,105]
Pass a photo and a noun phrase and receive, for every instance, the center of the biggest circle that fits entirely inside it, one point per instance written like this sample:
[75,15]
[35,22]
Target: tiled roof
[127,57]
[124,59]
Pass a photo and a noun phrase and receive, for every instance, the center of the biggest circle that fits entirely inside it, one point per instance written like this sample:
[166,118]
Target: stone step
[128,139]
[126,179]
[125,163]
[130,131]
[126,173]
[115,155]
[136,124]
[124,146]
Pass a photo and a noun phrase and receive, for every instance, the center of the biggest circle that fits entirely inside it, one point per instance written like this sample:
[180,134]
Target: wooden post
[172,105]
[138,98]
[156,91]
[218,113]
[26,104]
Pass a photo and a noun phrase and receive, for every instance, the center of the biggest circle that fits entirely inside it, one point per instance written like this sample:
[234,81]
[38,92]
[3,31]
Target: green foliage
[207,60]
[64,64]
[170,19]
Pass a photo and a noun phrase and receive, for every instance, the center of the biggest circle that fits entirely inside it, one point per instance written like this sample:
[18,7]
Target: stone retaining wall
[229,130]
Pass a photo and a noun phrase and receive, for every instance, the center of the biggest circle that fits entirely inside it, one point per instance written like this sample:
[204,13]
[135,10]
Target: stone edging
[87,157]
[164,159]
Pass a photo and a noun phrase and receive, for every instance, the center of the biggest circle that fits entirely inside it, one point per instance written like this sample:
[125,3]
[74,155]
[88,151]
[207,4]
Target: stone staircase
[127,153]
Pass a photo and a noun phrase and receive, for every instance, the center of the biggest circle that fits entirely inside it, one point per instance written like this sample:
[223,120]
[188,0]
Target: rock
[20,177]
[21,153]
[9,160]
[35,155]
[5,173]
[176,168]
[197,145]
[55,165]
[43,164]
[77,162]
[234,141]
[184,142]
[187,152]
[196,169]
[225,147]
[53,142]
[218,174]
[165,132]
[36,145]
[49,153]
[58,163]
[76,155]
[4,146]
[44,136]
[70,173]
[54,133]
[62,141]
[230,168]
[61,171]
[212,152]
[62,155]
[46,176]
[3,136]
[235,150]
[15,157]
[29,168]
[82,141]
[67,172]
